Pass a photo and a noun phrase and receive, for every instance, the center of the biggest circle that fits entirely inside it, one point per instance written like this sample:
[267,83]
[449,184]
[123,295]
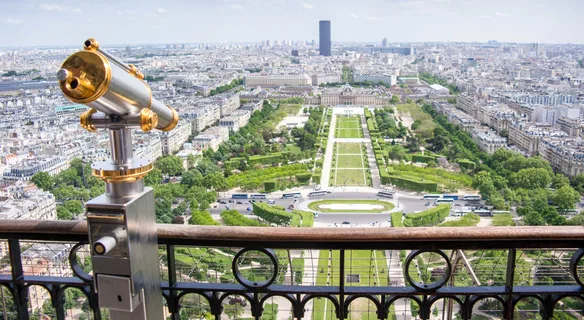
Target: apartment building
[571,126]
[172,141]
[526,135]
[25,170]
[236,120]
[488,140]
[210,138]
[276,80]
[227,103]
[565,155]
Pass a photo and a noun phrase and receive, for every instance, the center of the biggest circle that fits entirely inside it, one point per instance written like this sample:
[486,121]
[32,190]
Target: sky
[120,22]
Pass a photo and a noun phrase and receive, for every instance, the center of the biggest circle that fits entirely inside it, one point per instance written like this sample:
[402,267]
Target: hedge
[466,164]
[430,217]
[385,178]
[396,220]
[316,178]
[303,177]
[202,218]
[234,218]
[271,214]
[270,186]
[413,184]
[268,159]
[422,158]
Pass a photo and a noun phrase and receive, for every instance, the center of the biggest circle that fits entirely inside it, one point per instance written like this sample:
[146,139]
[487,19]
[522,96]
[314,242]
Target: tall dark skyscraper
[324,29]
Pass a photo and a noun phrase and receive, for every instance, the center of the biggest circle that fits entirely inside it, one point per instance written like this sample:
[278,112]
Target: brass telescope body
[119,100]
[95,78]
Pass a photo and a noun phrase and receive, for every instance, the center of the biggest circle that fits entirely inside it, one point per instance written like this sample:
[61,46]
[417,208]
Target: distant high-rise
[324,29]
[384,42]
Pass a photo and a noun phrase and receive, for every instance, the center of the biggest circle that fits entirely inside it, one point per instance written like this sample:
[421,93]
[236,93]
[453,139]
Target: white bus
[432,196]
[318,193]
[386,194]
[439,201]
[471,198]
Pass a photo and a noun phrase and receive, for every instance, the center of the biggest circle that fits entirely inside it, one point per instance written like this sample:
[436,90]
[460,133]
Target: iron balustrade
[447,273]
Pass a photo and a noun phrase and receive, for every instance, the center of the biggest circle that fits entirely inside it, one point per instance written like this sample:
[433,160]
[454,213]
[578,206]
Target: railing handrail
[286,237]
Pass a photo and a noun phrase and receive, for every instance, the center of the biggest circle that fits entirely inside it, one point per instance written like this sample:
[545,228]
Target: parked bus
[385,194]
[239,196]
[291,195]
[258,196]
[431,196]
[439,201]
[450,196]
[318,193]
[471,198]
[293,205]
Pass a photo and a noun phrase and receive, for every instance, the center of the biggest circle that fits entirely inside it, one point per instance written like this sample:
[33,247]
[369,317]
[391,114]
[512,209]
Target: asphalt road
[407,203]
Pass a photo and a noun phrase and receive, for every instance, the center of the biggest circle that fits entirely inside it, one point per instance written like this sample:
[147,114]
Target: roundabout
[356,206]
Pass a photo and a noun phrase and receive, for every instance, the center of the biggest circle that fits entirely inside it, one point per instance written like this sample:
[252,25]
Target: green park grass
[348,133]
[371,266]
[427,123]
[349,177]
[349,161]
[348,127]
[348,148]
[447,181]
[315,205]
[503,219]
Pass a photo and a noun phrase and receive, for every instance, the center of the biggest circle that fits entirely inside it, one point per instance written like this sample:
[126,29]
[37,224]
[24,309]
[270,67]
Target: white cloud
[372,18]
[502,14]
[307,6]
[10,20]
[59,8]
[485,16]
[161,10]
[352,15]
[235,7]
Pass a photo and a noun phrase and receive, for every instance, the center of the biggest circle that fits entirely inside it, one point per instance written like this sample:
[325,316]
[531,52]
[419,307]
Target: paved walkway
[328,155]
[376,180]
[396,278]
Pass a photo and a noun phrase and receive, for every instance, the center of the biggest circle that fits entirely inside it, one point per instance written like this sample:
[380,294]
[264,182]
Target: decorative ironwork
[510,273]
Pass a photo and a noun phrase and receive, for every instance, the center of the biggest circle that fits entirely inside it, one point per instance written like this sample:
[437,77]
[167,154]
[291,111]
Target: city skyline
[39,23]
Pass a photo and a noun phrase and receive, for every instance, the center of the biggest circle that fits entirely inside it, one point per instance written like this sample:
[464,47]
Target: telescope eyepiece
[91,45]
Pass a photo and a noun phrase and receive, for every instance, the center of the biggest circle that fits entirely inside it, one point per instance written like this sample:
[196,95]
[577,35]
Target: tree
[483,182]
[63,213]
[234,308]
[43,180]
[170,165]
[566,198]
[532,178]
[180,209]
[578,182]
[242,165]
[394,99]
[191,161]
[192,178]
[530,217]
[74,206]
[559,180]
[270,311]
[215,181]
[154,177]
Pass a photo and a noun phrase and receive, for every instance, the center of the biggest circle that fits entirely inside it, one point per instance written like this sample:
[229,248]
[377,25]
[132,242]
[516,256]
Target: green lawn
[427,124]
[348,148]
[348,133]
[348,127]
[370,266]
[347,161]
[316,205]
[349,177]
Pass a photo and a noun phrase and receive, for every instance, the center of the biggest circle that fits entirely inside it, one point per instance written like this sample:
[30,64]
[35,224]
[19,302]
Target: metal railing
[310,273]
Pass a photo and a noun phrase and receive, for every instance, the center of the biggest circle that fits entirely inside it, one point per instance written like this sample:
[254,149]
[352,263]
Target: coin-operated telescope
[121,222]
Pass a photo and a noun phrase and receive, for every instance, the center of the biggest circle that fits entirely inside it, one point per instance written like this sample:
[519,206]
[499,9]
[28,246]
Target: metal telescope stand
[122,233]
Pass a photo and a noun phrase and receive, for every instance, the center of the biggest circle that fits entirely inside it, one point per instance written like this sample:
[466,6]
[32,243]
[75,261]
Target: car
[252,201]
[271,202]
[249,209]
[231,201]
[239,202]
[427,203]
[346,222]
[317,187]
[222,202]
[457,204]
